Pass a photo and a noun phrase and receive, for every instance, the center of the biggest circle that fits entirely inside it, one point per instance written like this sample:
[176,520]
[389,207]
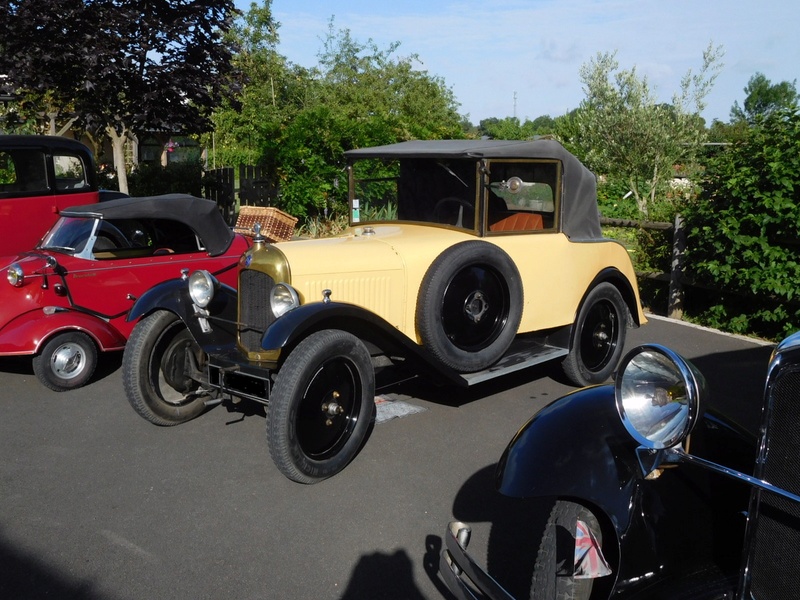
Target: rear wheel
[321,406]
[66,362]
[558,562]
[159,370]
[598,336]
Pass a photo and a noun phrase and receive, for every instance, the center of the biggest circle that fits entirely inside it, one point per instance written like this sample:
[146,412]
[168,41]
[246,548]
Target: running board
[522,354]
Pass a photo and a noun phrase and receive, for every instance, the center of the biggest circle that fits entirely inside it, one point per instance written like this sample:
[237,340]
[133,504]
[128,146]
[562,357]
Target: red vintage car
[41,175]
[69,297]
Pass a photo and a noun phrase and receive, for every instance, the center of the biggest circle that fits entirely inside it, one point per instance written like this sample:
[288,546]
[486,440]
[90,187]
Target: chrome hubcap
[68,361]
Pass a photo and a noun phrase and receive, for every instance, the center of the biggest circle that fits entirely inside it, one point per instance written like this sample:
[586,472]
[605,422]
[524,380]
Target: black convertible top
[202,216]
[580,217]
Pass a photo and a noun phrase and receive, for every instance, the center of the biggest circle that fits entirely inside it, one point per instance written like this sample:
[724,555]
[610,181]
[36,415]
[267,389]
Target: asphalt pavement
[96,503]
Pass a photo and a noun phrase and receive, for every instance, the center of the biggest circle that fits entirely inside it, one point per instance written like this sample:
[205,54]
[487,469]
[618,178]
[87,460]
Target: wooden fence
[255,189]
[675,277]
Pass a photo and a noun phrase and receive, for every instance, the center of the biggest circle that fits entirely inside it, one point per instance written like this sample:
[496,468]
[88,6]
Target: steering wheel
[446,216]
[109,237]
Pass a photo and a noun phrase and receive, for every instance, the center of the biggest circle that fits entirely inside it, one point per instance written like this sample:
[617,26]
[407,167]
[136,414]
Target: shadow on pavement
[25,577]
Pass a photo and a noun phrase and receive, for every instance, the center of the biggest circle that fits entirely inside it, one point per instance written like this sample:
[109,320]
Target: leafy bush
[744,230]
[178,177]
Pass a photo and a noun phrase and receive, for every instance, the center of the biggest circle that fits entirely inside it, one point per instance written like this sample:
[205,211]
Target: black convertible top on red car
[202,216]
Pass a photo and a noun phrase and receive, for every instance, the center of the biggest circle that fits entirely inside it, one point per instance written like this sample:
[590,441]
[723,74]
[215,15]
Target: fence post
[676,294]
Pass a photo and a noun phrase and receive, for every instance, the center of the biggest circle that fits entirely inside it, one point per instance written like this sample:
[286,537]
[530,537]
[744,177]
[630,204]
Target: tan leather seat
[521,221]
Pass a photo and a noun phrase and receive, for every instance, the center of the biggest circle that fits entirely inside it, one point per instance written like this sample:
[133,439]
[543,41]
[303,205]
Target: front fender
[168,295]
[296,325]
[307,318]
[173,295]
[575,447]
[27,333]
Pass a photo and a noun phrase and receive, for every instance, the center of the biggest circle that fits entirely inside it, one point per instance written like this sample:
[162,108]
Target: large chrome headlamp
[658,396]
[282,299]
[202,286]
[15,275]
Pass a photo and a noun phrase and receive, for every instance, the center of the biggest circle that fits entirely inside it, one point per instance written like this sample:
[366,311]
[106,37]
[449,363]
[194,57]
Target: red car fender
[27,333]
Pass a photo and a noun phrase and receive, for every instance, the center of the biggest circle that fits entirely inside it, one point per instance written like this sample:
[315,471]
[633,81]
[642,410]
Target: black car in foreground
[650,496]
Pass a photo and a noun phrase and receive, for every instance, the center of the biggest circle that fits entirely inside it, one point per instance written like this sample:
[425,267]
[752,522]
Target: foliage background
[744,230]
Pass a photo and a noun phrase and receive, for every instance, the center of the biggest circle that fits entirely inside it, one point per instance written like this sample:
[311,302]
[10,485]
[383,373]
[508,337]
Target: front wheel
[598,336]
[570,555]
[66,362]
[159,370]
[321,406]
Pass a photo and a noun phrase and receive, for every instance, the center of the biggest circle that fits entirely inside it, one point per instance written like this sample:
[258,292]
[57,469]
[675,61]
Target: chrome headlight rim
[15,275]
[659,396]
[202,287]
[282,299]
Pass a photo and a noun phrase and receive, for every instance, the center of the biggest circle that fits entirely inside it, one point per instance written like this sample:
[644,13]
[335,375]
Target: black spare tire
[470,306]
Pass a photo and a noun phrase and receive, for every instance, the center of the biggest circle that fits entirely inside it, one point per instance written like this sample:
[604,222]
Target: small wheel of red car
[470,306]
[66,362]
[598,336]
[321,406]
[160,368]
[568,526]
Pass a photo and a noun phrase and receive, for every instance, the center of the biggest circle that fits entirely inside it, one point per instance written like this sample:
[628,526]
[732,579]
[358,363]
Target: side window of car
[522,196]
[70,173]
[22,172]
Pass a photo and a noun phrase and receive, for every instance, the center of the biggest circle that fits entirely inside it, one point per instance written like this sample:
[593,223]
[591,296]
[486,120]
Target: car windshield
[521,195]
[69,235]
[100,239]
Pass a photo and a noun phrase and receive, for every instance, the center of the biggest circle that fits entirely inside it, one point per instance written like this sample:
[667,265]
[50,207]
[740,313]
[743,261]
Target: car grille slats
[776,530]
[254,311]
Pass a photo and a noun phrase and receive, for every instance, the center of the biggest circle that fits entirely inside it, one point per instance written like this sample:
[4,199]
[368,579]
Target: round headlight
[658,396]
[15,275]
[201,288]
[282,299]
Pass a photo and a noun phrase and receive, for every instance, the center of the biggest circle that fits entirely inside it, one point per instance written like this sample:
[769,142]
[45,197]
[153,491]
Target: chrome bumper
[465,578]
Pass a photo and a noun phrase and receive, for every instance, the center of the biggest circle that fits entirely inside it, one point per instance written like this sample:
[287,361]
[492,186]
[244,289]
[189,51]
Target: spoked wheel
[66,362]
[160,368]
[470,306]
[570,555]
[321,406]
[598,336]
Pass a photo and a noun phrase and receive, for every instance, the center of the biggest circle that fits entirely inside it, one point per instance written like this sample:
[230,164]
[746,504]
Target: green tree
[744,228]
[624,132]
[510,128]
[763,97]
[123,67]
[300,121]
[270,91]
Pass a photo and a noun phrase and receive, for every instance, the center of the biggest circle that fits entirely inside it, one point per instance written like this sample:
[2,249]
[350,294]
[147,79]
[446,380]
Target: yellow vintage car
[464,260]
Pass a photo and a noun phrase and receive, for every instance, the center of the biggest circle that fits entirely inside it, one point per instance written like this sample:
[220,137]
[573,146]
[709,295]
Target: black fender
[293,327]
[615,277]
[173,295]
[687,520]
[575,447]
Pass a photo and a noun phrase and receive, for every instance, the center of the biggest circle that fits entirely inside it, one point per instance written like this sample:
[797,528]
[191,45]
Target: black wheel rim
[475,308]
[168,368]
[329,409]
[599,336]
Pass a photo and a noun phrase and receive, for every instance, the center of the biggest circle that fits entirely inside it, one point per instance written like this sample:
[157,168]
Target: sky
[521,58]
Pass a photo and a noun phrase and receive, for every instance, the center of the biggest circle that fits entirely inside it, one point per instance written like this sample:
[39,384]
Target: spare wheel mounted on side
[470,306]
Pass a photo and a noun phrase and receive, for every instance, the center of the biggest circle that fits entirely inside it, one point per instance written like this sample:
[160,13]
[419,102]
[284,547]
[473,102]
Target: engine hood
[376,267]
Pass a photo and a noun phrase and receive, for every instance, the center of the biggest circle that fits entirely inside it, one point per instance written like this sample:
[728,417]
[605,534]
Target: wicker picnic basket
[276,225]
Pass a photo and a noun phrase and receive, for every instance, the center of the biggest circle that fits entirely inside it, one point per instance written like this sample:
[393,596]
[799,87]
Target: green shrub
[744,230]
[151,179]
